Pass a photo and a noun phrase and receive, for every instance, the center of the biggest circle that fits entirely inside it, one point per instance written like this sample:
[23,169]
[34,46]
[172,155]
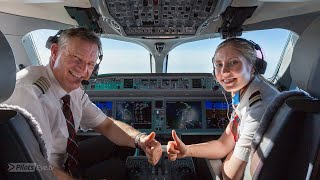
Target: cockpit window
[118,56]
[195,57]
[192,57]
[124,57]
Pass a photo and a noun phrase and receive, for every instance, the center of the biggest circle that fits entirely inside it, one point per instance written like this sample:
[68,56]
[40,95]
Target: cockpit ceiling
[155,19]
[161,17]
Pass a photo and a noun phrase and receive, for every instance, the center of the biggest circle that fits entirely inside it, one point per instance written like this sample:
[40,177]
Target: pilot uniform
[250,110]
[246,117]
[38,91]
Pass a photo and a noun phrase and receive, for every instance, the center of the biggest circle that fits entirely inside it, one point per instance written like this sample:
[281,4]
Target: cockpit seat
[23,155]
[286,144]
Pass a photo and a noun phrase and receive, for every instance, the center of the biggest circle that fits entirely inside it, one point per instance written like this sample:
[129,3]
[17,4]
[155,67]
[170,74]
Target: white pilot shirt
[250,110]
[38,91]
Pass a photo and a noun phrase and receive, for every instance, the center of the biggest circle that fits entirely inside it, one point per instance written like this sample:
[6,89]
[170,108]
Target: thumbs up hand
[176,149]
[152,148]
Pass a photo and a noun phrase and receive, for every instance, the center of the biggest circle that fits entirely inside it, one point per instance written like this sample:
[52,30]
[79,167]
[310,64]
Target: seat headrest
[305,63]
[7,69]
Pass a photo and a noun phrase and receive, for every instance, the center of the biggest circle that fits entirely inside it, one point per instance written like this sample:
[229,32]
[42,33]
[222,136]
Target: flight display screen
[216,114]
[183,115]
[135,113]
[105,106]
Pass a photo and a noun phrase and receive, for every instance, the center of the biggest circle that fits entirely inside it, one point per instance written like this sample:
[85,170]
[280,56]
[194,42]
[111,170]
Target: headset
[260,65]
[94,74]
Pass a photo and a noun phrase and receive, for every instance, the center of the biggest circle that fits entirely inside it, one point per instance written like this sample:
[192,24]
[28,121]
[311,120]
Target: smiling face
[232,70]
[73,62]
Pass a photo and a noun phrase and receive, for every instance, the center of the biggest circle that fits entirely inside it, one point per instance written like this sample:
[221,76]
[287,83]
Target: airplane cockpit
[156,75]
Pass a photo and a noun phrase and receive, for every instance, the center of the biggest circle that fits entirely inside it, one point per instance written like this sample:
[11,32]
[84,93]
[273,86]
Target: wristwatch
[137,140]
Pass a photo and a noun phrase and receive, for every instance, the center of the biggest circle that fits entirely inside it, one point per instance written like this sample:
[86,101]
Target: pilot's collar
[59,92]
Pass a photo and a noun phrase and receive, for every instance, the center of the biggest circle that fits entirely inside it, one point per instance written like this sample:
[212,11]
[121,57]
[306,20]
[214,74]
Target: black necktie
[71,164]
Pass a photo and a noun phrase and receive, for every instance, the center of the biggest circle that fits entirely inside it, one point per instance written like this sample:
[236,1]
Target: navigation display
[105,106]
[216,114]
[134,113]
[183,115]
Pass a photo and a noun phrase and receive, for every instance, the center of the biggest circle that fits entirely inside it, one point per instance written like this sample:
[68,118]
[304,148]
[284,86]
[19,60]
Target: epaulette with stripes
[255,97]
[43,84]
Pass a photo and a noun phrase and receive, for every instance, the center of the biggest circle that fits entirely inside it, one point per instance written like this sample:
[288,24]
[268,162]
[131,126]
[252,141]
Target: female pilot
[237,68]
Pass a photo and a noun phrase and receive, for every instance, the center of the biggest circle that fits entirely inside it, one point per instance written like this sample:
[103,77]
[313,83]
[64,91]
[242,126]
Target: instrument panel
[191,104]
[154,81]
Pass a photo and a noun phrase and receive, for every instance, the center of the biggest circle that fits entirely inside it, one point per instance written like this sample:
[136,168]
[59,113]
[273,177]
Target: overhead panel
[160,17]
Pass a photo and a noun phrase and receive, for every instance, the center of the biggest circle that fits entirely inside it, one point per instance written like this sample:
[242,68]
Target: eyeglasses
[76,59]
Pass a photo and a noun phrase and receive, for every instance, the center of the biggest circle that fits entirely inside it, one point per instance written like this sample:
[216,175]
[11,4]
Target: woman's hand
[176,149]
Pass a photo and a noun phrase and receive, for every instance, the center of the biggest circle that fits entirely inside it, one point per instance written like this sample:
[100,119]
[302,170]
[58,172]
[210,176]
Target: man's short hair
[82,33]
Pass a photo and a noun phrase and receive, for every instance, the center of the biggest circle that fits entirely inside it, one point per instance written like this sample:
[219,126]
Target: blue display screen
[216,105]
[216,114]
[105,106]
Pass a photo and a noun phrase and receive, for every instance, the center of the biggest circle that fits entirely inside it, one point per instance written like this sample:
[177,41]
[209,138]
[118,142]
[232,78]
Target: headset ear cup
[260,66]
[53,39]
[96,68]
[95,71]
[50,42]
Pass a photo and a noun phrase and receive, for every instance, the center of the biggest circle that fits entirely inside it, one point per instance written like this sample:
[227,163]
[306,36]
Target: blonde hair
[247,50]
[243,46]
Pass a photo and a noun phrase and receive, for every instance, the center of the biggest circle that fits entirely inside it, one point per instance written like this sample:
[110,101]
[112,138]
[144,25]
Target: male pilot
[52,94]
